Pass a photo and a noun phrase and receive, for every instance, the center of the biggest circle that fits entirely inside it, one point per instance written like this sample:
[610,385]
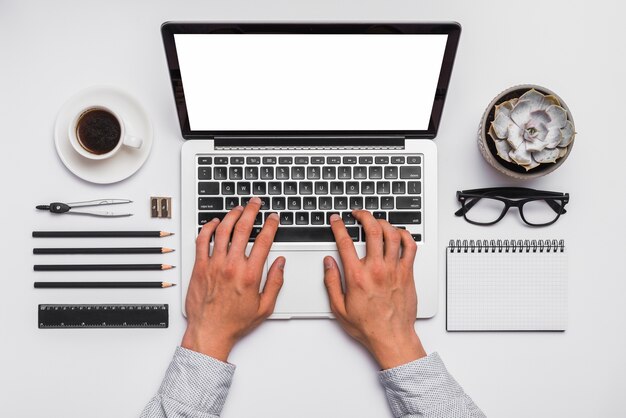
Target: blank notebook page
[506,291]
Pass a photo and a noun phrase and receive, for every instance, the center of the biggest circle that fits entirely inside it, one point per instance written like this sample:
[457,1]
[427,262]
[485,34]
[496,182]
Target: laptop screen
[316,82]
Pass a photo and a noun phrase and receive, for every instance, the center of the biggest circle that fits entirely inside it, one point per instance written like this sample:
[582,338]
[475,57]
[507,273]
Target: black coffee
[98,131]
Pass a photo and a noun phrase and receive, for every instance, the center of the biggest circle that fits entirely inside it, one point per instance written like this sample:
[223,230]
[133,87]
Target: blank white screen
[309,82]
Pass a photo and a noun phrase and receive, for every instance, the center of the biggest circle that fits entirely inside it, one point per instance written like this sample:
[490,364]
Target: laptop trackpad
[303,293]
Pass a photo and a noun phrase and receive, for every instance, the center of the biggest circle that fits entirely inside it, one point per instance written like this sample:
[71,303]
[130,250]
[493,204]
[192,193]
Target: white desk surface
[50,50]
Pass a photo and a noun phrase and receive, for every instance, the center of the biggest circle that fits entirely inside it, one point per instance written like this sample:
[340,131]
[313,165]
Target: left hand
[223,301]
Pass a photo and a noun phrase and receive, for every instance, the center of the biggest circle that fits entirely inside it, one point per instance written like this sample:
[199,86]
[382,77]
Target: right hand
[379,305]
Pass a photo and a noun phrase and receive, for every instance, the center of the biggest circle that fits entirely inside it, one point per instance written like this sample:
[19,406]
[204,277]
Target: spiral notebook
[506,285]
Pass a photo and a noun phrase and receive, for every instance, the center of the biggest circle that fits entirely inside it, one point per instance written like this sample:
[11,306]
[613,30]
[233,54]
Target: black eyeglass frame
[511,197]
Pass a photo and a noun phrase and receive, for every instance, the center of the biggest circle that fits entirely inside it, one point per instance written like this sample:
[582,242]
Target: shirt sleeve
[424,388]
[194,386]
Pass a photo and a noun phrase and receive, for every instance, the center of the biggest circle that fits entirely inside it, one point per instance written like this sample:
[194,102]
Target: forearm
[424,388]
[194,386]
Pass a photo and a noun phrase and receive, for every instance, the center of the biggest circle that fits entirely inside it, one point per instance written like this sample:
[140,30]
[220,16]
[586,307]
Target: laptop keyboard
[306,190]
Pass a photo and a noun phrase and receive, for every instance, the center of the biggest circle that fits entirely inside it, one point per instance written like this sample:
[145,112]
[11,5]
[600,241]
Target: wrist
[395,352]
[206,343]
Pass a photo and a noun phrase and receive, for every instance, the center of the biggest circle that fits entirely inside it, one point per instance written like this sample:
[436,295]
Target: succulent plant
[531,130]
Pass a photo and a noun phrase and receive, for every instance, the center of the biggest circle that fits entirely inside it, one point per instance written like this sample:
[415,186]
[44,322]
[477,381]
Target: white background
[50,50]
[310,82]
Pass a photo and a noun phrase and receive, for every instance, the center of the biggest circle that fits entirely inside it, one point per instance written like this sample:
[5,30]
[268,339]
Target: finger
[225,230]
[392,240]
[332,281]
[263,241]
[244,225]
[272,286]
[373,233]
[204,239]
[409,248]
[347,252]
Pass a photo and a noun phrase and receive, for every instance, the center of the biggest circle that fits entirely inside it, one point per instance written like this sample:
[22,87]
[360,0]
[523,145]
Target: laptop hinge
[310,142]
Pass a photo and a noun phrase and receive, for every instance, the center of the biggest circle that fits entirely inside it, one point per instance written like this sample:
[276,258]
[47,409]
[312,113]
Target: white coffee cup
[123,140]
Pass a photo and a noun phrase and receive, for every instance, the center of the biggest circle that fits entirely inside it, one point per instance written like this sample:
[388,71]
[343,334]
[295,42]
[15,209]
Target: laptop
[314,119]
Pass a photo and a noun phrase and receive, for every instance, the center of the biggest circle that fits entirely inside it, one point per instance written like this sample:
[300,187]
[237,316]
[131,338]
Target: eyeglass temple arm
[467,206]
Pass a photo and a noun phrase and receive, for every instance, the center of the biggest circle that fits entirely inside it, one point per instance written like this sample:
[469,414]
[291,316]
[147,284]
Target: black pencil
[121,250]
[101,285]
[100,267]
[100,234]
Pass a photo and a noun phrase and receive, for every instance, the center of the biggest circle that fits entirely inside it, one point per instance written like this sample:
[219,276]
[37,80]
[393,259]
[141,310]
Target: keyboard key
[341,203]
[326,203]
[282,173]
[252,173]
[211,188]
[294,203]
[415,187]
[380,215]
[221,160]
[317,160]
[205,217]
[231,202]
[348,219]
[414,159]
[266,215]
[344,173]
[329,173]
[220,173]
[391,172]
[383,187]
[360,172]
[328,215]
[245,200]
[336,187]
[411,172]
[397,160]
[356,203]
[236,160]
[205,160]
[204,173]
[376,172]
[267,173]
[290,187]
[333,160]
[253,160]
[405,217]
[286,218]
[349,160]
[235,173]
[302,218]
[386,202]
[321,187]
[259,187]
[269,160]
[409,202]
[317,218]
[367,187]
[366,160]
[297,173]
[306,234]
[302,160]
[285,160]
[306,187]
[352,187]
[417,237]
[309,203]
[381,160]
[398,187]
[275,187]
[258,220]
[243,187]
[265,202]
[210,203]
[278,203]
[371,202]
[313,173]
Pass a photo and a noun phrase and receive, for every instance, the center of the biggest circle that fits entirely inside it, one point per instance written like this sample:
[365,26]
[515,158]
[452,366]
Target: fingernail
[334,217]
[255,200]
[328,264]
[215,220]
[238,207]
[281,264]
[274,216]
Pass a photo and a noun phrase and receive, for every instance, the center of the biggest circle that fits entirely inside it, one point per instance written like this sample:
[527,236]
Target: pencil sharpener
[160,207]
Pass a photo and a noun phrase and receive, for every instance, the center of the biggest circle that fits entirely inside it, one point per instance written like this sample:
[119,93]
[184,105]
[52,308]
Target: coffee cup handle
[133,141]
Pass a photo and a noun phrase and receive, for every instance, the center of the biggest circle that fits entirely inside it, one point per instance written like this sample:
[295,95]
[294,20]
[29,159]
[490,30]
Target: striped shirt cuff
[197,381]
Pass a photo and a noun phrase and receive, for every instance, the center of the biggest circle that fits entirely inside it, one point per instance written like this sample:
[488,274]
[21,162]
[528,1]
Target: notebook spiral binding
[507,246]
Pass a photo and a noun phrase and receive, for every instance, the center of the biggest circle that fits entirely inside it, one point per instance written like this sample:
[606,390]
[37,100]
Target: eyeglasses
[488,206]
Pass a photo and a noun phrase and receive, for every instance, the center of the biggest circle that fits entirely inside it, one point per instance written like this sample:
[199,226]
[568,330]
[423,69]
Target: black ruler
[103,316]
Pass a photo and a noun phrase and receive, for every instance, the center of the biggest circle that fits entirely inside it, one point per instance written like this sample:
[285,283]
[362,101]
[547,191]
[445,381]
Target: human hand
[379,305]
[223,301]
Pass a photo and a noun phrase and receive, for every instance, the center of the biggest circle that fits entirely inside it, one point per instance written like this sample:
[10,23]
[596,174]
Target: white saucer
[123,164]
